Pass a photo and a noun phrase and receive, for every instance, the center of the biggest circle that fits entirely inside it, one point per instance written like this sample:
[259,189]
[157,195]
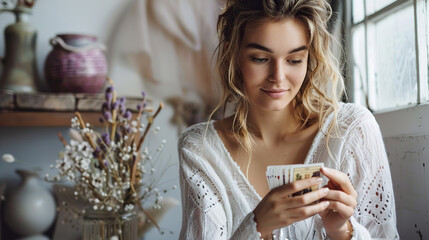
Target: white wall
[38,147]
[406,136]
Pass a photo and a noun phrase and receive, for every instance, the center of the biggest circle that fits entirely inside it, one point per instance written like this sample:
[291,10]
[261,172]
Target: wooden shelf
[45,119]
[52,109]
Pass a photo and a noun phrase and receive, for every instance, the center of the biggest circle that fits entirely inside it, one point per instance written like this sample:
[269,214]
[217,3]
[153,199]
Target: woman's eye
[295,61]
[259,60]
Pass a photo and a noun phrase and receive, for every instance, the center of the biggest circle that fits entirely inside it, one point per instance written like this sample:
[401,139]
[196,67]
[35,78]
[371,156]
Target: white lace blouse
[218,200]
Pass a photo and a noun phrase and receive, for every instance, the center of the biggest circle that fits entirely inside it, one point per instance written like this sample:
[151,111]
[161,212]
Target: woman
[279,76]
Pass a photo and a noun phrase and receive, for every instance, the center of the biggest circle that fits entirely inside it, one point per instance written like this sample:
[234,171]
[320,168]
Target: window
[389,53]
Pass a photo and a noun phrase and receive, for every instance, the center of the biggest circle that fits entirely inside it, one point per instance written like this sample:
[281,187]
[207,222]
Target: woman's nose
[278,72]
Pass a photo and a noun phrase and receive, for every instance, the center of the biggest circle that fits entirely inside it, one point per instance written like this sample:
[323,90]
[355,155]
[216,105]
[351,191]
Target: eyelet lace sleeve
[204,196]
[365,161]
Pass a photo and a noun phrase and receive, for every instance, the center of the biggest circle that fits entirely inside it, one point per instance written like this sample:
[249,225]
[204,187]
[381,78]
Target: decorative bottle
[19,71]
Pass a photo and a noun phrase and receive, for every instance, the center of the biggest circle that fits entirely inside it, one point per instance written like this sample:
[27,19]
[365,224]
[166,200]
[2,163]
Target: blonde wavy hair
[323,85]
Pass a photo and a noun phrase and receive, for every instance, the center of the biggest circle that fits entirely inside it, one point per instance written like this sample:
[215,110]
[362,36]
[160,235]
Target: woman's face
[273,60]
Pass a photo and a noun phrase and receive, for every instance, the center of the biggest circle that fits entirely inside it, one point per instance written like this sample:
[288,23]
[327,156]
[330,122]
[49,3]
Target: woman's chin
[273,108]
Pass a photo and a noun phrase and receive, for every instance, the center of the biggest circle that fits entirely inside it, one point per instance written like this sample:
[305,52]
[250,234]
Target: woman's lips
[274,93]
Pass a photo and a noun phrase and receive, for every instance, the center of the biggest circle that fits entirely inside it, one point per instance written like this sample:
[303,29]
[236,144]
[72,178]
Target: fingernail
[326,203]
[325,190]
[319,180]
[325,169]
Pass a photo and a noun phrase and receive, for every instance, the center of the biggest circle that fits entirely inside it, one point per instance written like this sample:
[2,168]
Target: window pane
[358,11]
[359,64]
[392,60]
[375,5]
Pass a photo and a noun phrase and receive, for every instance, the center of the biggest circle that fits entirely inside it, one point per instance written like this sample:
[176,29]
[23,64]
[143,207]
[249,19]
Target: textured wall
[406,136]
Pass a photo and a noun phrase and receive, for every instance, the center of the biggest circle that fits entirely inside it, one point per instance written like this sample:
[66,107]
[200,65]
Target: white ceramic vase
[29,210]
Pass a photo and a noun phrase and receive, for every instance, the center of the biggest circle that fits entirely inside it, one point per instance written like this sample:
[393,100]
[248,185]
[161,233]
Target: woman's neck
[273,126]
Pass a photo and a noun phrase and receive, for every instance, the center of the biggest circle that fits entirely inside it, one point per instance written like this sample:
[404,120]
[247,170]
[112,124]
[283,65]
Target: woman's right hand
[279,209]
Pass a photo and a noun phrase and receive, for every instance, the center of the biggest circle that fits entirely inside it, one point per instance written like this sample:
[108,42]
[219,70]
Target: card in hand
[278,175]
[305,172]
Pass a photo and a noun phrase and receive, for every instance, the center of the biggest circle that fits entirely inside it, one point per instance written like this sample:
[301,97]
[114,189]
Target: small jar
[100,225]
[76,64]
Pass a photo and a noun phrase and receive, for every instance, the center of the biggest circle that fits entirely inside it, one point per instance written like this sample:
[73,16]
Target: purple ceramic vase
[76,64]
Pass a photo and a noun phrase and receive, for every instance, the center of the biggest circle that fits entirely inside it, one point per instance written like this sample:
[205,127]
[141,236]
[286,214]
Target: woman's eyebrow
[260,47]
[298,49]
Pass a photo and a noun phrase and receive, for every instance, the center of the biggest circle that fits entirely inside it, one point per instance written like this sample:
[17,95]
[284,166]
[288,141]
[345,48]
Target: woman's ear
[225,46]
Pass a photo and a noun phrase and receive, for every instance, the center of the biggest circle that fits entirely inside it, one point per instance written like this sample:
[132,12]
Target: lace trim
[192,138]
[254,224]
[375,205]
[222,230]
[203,195]
[373,201]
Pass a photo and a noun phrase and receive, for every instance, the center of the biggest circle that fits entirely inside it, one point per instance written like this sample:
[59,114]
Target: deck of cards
[278,175]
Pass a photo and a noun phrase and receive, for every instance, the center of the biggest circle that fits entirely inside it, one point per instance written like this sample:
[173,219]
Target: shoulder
[193,135]
[351,115]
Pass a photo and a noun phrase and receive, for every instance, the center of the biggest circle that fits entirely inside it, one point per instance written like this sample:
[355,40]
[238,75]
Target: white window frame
[421,31]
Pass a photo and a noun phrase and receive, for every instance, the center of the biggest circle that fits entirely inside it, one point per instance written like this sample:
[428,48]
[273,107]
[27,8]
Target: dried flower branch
[112,170]
[63,141]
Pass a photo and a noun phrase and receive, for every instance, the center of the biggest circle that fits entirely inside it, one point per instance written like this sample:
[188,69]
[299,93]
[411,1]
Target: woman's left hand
[342,202]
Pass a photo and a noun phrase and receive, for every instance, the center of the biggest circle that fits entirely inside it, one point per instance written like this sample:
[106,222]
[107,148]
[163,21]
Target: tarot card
[285,174]
[278,175]
[301,172]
